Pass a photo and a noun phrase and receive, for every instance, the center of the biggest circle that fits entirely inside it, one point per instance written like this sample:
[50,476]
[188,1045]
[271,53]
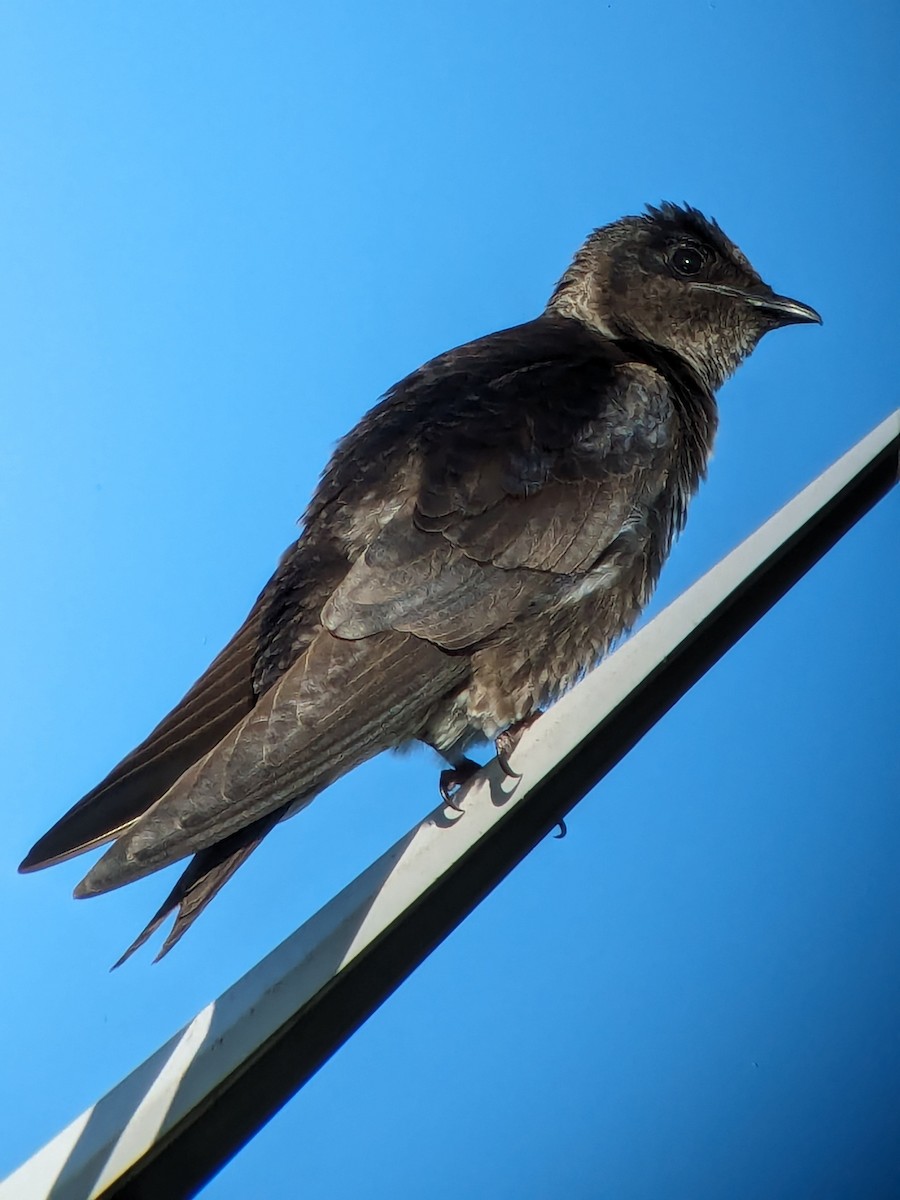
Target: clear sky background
[225,229]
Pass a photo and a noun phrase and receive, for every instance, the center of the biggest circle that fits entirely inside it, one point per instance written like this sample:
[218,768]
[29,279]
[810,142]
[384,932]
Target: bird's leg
[507,741]
[454,777]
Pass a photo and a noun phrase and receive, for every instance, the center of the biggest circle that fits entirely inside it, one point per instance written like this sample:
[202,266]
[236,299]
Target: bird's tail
[207,873]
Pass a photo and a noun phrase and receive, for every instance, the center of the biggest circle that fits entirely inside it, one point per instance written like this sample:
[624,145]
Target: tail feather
[206,875]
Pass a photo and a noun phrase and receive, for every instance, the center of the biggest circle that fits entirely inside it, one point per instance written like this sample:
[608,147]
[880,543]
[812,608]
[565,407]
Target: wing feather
[503,524]
[219,698]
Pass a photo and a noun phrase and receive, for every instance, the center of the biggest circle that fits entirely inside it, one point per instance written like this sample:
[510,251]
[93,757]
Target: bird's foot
[453,779]
[507,741]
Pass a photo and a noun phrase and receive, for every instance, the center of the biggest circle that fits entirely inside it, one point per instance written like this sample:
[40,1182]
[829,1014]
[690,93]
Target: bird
[476,543]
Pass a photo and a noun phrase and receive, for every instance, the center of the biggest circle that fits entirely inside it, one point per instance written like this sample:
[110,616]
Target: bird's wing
[216,702]
[517,501]
[252,661]
[342,702]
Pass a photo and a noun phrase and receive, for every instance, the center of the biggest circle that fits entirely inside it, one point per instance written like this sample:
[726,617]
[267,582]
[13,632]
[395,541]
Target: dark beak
[783,309]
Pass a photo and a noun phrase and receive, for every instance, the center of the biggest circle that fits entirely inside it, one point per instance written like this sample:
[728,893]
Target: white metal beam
[183,1113]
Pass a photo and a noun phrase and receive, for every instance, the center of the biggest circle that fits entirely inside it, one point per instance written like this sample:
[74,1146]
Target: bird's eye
[686,260]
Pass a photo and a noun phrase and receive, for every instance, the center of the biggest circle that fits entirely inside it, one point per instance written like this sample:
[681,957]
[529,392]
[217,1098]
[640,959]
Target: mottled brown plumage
[475,545]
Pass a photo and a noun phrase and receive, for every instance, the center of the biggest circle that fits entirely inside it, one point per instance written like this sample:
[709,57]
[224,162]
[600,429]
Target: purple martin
[475,544]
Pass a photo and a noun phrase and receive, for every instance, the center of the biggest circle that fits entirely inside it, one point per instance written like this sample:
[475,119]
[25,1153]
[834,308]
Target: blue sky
[225,230]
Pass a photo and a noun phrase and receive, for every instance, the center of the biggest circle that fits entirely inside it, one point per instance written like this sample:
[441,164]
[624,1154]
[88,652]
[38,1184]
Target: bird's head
[673,278]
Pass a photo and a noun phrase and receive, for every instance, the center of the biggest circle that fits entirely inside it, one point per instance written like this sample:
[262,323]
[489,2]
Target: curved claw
[453,778]
[448,785]
[503,762]
[563,829]
[507,741]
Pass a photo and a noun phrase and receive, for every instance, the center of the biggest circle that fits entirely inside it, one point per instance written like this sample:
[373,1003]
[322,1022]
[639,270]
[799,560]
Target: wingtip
[104,876]
[40,856]
[83,889]
[113,870]
[52,849]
